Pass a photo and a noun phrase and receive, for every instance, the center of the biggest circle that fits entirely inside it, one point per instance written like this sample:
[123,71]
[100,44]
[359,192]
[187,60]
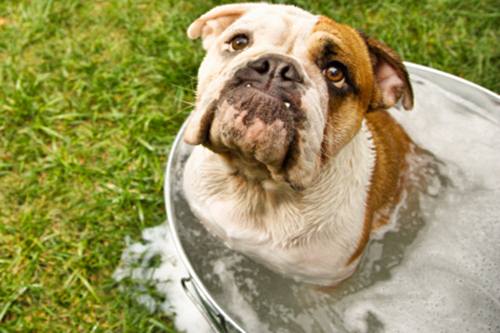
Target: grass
[92,94]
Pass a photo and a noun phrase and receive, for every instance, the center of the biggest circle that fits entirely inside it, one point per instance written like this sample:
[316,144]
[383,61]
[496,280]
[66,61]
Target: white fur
[310,236]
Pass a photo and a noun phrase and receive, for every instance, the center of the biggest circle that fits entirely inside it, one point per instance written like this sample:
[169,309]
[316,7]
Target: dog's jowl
[296,159]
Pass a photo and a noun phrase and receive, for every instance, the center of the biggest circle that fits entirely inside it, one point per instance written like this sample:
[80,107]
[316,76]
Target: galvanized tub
[236,294]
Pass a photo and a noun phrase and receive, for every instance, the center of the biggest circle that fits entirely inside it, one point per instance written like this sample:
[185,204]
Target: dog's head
[281,91]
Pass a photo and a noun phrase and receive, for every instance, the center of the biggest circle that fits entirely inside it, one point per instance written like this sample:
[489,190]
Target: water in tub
[436,268]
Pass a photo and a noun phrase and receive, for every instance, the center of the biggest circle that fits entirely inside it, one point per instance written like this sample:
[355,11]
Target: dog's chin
[256,132]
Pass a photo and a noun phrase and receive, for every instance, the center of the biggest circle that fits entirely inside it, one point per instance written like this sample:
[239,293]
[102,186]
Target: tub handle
[216,321]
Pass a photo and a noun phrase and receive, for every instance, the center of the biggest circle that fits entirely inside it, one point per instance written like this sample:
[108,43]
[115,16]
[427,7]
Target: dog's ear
[391,76]
[211,24]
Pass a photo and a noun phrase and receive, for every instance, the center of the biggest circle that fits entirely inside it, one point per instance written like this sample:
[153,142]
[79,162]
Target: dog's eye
[239,42]
[335,74]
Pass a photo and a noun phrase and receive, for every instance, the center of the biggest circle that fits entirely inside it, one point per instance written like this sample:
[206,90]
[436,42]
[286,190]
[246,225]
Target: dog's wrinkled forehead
[286,31]
[276,25]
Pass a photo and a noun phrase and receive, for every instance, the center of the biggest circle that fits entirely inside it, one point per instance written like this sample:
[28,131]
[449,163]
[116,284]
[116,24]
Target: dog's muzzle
[258,113]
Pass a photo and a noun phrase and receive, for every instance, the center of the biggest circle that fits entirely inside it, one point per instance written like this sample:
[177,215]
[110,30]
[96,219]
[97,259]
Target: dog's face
[281,91]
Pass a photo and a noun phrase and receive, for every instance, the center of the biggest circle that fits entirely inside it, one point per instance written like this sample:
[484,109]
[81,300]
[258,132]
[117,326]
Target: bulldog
[296,160]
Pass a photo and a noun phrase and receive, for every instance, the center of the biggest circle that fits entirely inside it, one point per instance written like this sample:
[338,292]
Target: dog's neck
[334,203]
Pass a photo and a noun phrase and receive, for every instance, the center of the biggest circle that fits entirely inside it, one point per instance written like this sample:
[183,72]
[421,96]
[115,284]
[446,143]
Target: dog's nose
[275,67]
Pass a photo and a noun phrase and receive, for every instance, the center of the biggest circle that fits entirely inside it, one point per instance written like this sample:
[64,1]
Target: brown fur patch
[346,112]
[391,145]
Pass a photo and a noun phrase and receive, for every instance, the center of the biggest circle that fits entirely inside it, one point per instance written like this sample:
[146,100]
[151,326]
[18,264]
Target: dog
[296,159]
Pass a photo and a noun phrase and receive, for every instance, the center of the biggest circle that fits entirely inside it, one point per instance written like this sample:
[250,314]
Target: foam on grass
[167,295]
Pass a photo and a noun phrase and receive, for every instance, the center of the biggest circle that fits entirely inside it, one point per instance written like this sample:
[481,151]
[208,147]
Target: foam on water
[437,269]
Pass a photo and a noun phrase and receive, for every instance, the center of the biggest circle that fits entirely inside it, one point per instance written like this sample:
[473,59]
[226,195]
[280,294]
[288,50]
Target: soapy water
[435,268]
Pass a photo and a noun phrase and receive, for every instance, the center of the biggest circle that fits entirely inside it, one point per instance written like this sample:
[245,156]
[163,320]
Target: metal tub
[236,294]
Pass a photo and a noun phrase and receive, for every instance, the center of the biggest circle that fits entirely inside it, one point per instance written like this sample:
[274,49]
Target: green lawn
[92,94]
